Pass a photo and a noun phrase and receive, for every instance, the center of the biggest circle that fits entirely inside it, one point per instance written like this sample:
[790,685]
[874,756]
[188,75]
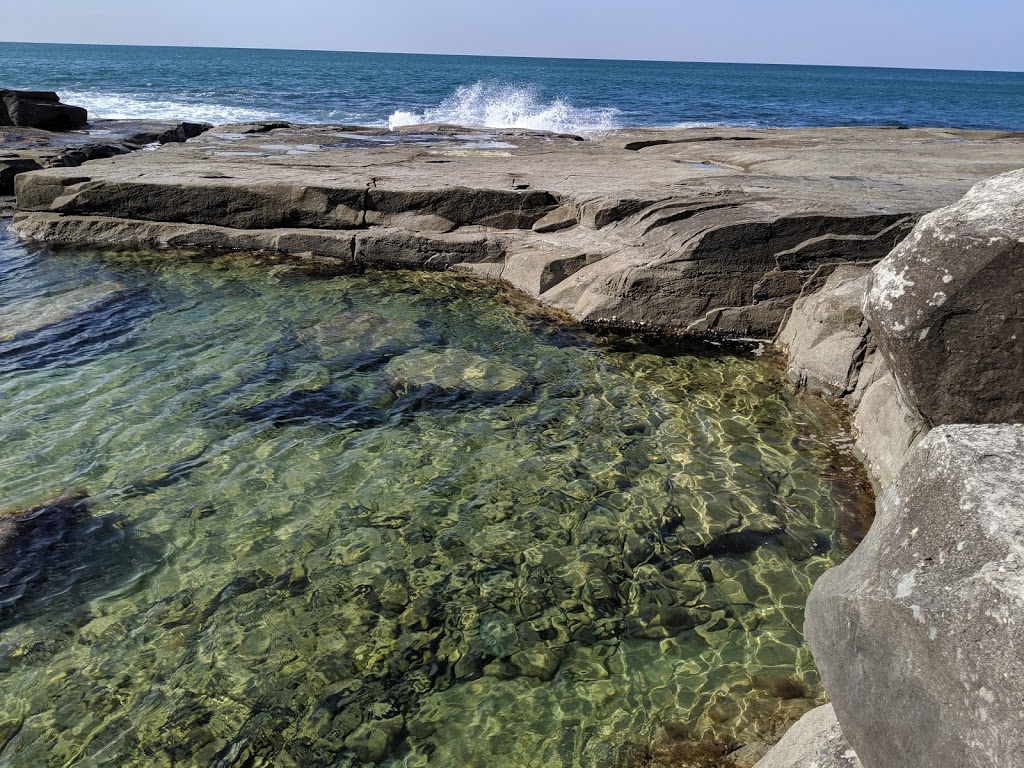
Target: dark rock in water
[56,555]
[737,542]
[946,308]
[39,109]
[40,522]
[334,405]
[329,404]
[66,329]
[176,472]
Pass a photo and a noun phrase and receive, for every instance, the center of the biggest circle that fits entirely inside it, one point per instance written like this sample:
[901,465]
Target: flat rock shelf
[704,230]
[257,517]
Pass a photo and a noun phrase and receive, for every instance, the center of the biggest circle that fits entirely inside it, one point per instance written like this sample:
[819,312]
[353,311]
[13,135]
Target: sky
[937,34]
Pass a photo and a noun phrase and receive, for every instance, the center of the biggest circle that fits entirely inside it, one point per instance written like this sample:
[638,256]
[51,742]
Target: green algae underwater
[257,517]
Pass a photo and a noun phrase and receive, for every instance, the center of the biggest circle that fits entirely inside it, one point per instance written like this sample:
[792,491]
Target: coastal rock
[885,427]
[816,741]
[27,149]
[698,230]
[827,336]
[917,634]
[39,109]
[947,312]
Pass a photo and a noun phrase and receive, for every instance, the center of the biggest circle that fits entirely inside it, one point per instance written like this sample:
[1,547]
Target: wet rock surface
[947,308]
[706,230]
[915,634]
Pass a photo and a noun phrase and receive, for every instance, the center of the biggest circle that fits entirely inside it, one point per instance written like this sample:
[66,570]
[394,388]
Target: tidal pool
[253,517]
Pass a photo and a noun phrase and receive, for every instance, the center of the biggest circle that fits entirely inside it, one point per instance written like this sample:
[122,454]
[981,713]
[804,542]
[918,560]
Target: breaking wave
[489,105]
[120,106]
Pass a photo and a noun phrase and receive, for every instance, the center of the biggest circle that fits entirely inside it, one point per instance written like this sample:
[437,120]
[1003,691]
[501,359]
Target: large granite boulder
[816,741]
[918,635]
[39,109]
[947,308]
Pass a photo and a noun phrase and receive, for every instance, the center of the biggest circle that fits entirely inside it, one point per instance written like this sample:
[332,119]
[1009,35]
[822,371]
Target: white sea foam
[490,105]
[715,124]
[119,106]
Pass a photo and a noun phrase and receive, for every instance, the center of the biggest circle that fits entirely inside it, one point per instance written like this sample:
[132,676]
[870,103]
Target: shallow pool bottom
[393,519]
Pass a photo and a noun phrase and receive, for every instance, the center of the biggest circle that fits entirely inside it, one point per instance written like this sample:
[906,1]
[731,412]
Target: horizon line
[506,56]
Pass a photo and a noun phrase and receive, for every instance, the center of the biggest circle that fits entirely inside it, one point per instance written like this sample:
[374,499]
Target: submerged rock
[454,368]
[39,523]
[358,332]
[947,312]
[33,315]
[917,634]
[57,555]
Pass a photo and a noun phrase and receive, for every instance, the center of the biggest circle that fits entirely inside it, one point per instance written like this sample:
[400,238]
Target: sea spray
[499,105]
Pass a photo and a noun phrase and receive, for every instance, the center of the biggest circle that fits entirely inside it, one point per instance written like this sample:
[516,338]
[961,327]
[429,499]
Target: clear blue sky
[945,34]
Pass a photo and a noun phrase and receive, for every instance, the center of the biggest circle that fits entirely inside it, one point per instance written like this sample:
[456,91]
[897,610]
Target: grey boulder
[918,635]
[816,741]
[827,336]
[947,308]
[39,109]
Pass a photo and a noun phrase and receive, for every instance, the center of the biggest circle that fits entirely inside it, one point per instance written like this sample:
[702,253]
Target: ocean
[221,85]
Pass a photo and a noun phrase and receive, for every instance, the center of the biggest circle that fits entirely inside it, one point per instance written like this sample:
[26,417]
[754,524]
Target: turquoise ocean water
[228,85]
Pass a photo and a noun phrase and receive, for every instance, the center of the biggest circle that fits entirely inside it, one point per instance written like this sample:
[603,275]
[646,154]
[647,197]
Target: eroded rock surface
[917,634]
[831,350]
[707,230]
[947,308]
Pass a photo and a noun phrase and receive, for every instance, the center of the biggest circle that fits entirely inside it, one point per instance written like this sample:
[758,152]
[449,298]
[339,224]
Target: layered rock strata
[708,231]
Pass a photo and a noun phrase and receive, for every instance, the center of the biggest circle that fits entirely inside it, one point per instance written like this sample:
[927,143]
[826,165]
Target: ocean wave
[491,105]
[120,106]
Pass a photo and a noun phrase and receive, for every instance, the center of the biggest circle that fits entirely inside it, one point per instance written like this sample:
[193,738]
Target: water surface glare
[251,517]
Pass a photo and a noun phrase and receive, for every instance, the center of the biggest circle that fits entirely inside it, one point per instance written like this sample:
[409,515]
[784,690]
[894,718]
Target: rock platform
[713,231]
